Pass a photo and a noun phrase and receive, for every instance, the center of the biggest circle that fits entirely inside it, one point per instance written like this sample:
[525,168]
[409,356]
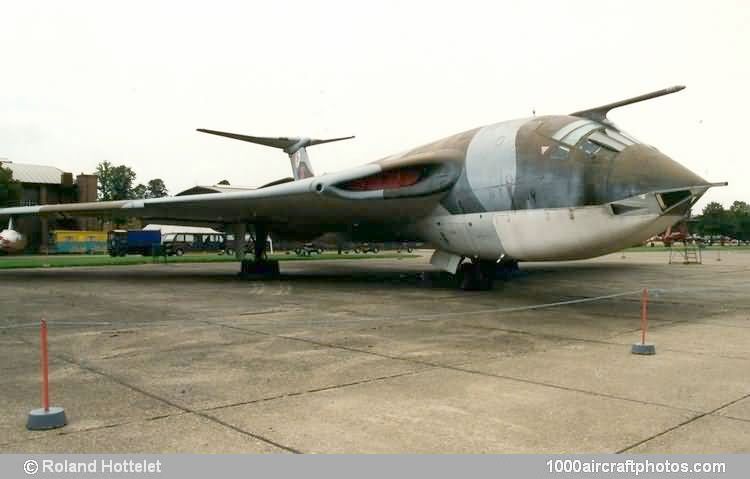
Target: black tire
[179,252]
[375,250]
[476,277]
[357,250]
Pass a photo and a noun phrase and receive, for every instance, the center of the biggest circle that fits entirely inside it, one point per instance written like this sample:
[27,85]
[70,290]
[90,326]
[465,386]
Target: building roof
[40,174]
[167,229]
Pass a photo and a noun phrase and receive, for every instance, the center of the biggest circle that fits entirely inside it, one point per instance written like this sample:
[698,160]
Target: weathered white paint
[542,234]
[11,241]
[574,233]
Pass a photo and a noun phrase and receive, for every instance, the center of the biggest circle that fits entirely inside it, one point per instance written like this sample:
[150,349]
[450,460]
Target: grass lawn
[62,261]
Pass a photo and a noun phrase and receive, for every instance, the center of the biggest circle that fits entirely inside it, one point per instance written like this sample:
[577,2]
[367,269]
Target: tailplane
[295,147]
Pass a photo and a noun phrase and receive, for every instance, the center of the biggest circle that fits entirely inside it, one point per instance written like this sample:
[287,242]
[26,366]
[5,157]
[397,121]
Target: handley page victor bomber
[544,188]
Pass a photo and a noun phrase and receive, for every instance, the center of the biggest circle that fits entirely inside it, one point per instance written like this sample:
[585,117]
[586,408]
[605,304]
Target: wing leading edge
[321,200]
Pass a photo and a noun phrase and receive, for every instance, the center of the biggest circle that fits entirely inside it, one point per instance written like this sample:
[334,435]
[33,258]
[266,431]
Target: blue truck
[122,242]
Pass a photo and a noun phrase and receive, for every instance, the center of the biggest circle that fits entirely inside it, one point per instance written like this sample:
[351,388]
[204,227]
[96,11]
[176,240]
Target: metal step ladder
[688,253]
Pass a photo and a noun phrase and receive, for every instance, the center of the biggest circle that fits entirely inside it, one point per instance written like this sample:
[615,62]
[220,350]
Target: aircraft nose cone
[641,169]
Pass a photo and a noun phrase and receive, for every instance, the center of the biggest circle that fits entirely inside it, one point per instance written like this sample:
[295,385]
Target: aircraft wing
[393,193]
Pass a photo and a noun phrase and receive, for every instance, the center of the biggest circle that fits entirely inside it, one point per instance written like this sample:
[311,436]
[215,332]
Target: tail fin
[295,147]
[599,113]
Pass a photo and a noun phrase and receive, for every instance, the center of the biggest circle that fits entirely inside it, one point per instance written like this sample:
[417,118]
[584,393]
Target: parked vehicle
[405,246]
[122,242]
[178,244]
[78,241]
[367,248]
[308,249]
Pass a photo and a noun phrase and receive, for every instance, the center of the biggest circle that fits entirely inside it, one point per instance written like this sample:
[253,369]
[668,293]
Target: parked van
[180,243]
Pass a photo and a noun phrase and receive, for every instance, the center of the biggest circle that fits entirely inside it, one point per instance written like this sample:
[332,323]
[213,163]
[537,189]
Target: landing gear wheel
[476,275]
[505,270]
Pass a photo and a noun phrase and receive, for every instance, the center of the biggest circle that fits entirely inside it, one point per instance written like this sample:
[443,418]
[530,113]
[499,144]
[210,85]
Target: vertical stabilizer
[301,166]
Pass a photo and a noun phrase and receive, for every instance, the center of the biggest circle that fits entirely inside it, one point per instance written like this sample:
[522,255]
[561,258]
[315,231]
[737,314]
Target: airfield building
[43,185]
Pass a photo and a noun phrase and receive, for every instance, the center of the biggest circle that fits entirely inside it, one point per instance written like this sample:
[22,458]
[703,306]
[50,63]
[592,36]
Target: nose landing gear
[477,275]
[480,275]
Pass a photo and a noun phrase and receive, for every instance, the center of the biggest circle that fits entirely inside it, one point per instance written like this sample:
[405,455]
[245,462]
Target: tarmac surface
[362,356]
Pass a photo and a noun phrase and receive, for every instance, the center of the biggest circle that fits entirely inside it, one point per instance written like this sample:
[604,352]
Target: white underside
[542,234]
[12,241]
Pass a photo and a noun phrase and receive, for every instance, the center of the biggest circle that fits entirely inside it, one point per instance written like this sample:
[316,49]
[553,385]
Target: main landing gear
[480,275]
[260,267]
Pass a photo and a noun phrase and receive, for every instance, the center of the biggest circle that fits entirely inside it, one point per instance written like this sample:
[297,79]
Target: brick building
[49,185]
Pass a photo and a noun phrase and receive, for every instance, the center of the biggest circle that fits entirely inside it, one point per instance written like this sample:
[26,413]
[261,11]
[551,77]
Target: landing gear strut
[506,269]
[477,275]
[260,267]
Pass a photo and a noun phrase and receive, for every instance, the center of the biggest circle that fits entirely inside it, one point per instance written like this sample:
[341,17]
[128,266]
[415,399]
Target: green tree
[713,220]
[115,182]
[740,212]
[156,188]
[140,191]
[10,190]
[224,182]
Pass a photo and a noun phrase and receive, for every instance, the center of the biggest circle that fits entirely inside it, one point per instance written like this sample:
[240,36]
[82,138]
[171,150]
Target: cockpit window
[590,148]
[560,153]
[568,128]
[606,141]
[572,133]
[575,136]
[592,137]
[621,137]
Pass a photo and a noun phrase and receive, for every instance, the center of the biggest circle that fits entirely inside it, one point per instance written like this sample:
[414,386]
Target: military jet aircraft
[544,188]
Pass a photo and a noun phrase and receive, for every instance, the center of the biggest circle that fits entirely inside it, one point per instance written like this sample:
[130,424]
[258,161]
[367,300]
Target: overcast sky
[129,82]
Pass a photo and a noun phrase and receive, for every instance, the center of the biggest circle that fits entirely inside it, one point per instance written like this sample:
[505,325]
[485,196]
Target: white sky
[129,82]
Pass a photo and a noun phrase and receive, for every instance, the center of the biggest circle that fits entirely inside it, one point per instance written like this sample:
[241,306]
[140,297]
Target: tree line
[117,183]
[715,220]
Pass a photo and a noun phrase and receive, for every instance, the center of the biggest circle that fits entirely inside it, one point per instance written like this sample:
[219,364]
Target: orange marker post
[47,417]
[45,365]
[642,347]
[644,315]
